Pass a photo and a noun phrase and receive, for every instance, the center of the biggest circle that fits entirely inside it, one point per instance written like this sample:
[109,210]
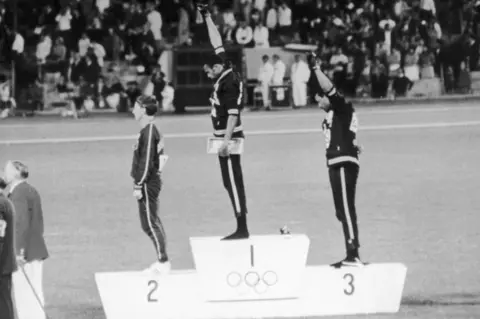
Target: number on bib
[3,228]
[354,123]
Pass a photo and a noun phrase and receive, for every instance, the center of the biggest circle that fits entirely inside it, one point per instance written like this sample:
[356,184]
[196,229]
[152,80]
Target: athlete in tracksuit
[147,180]
[340,128]
[227,104]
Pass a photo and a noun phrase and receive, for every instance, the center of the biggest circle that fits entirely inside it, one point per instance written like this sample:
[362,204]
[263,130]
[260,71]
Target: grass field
[418,197]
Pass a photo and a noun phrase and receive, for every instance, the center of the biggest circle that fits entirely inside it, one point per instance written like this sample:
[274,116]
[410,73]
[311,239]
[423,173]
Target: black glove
[202,6]
[312,60]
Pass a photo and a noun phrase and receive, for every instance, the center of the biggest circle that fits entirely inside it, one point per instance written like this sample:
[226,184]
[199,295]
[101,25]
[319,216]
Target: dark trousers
[149,219]
[343,180]
[233,182]
[6,302]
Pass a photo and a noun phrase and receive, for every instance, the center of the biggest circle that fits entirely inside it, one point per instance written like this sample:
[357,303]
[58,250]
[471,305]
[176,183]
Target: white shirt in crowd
[44,47]
[265,73]
[102,5]
[300,72]
[64,21]
[438,29]
[229,18]
[428,5]
[260,37]
[279,70]
[99,52]
[284,16]
[244,35]
[272,19]
[83,45]
[155,20]
[260,4]
[18,44]
[338,59]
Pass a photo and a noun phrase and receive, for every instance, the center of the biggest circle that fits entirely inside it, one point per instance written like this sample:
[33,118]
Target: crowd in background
[361,43]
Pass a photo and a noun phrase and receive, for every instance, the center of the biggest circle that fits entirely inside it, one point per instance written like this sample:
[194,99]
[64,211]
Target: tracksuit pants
[343,180]
[150,221]
[6,301]
[233,182]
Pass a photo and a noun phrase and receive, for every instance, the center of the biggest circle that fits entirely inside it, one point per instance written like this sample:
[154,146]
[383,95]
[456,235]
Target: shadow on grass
[466,299]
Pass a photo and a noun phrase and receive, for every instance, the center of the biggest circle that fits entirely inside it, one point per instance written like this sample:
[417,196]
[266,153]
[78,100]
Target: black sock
[242,223]
[352,253]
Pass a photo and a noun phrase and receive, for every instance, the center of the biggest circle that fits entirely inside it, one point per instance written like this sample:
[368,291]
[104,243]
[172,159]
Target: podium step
[375,288]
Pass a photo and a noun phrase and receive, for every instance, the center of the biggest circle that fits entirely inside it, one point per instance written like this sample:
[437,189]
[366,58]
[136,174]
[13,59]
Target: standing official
[300,74]
[146,174]
[31,249]
[8,264]
[340,128]
[227,103]
[265,75]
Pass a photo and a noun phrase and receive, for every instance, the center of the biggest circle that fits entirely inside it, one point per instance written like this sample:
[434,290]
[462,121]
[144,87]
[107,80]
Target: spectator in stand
[379,80]
[102,5]
[64,25]
[83,44]
[464,82]
[411,65]
[401,84]
[260,6]
[7,102]
[99,52]
[426,62]
[338,62]
[394,62]
[260,36]
[271,21]
[244,34]
[284,21]
[154,18]
[44,47]
[114,45]
[59,52]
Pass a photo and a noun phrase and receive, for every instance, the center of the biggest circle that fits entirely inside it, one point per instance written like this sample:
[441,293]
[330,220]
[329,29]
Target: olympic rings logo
[252,280]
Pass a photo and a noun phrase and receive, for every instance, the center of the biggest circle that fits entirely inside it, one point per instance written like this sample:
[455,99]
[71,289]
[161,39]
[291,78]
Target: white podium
[264,276]
[261,267]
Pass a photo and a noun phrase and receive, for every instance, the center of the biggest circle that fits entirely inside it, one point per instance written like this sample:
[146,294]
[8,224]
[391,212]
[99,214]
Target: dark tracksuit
[227,101]
[340,127]
[147,178]
[8,262]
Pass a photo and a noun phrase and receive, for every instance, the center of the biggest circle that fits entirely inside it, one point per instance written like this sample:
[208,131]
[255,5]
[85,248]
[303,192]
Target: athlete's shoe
[159,268]
[349,262]
[238,234]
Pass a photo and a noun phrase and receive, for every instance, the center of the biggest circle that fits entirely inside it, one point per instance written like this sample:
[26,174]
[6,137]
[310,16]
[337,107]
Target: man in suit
[7,254]
[31,249]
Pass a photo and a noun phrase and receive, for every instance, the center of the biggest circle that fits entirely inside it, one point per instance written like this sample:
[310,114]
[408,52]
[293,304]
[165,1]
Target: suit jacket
[8,260]
[29,222]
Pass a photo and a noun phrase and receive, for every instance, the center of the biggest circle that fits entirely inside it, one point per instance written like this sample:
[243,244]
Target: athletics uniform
[8,263]
[227,101]
[146,175]
[340,129]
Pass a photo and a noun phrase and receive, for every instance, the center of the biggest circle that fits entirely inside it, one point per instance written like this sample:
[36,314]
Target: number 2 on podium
[153,285]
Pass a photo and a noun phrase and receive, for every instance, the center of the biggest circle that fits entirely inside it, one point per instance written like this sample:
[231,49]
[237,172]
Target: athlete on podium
[340,129]
[227,104]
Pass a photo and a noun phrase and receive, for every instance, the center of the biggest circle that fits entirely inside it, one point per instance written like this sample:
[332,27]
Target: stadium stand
[74,51]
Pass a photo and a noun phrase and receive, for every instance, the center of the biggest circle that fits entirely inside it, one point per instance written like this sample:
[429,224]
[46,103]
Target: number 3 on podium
[350,279]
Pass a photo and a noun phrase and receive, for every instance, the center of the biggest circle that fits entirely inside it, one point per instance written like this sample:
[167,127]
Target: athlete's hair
[149,103]
[21,168]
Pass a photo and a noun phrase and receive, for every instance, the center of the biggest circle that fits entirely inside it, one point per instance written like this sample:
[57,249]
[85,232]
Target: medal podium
[260,277]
